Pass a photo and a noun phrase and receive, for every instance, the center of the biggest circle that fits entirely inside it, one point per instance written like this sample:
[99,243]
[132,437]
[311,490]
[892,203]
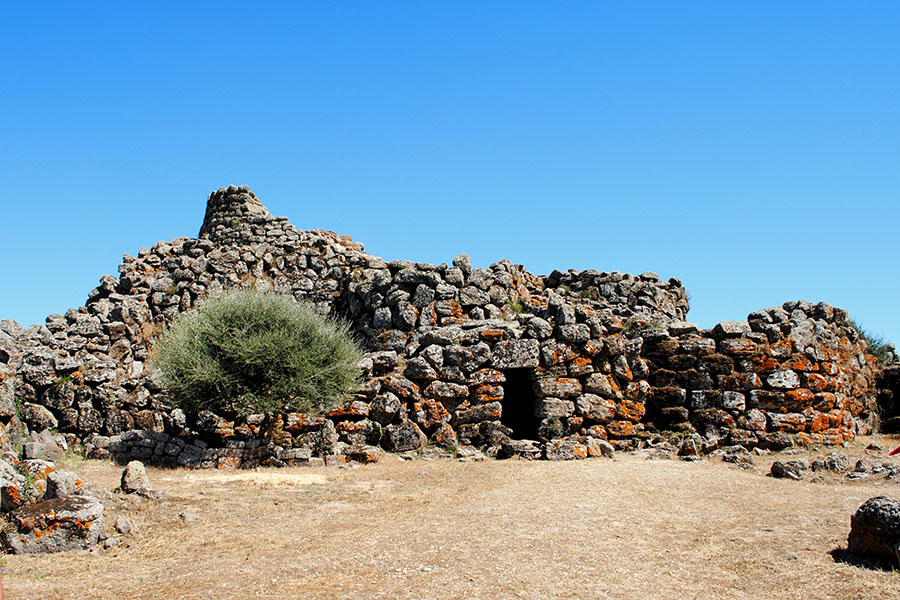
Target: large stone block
[516,354]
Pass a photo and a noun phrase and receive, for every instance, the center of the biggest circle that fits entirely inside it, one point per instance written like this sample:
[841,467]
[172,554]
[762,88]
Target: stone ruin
[557,366]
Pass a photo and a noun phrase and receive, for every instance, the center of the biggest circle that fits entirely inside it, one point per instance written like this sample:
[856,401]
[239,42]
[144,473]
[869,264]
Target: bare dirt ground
[623,528]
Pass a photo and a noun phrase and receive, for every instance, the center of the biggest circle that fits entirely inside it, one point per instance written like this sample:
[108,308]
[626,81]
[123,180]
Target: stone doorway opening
[518,404]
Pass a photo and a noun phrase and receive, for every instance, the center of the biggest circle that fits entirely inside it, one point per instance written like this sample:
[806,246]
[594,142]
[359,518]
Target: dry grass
[629,528]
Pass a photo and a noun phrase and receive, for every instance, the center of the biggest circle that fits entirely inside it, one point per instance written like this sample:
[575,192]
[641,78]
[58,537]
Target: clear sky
[750,149]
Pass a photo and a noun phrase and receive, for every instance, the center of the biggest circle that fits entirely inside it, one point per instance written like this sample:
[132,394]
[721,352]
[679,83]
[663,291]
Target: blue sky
[750,149]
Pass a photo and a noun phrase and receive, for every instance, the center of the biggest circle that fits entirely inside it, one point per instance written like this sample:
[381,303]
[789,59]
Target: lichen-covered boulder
[62,484]
[402,437]
[57,525]
[875,529]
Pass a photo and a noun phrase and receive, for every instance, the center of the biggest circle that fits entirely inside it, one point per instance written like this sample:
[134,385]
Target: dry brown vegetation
[628,528]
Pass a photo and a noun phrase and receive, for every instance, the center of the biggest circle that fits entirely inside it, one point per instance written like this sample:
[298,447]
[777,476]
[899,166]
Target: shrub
[247,352]
[550,429]
[878,346]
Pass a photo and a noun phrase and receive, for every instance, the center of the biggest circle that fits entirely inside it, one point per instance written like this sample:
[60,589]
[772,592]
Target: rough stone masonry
[498,358]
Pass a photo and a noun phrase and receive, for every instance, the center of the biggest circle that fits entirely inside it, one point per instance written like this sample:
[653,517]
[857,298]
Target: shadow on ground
[843,555]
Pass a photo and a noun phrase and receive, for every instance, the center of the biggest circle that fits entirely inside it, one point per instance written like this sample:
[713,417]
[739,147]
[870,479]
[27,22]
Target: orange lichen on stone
[350,427]
[790,422]
[800,363]
[597,431]
[819,383]
[780,348]
[835,437]
[301,422]
[593,347]
[630,411]
[620,429]
[228,462]
[493,335]
[351,409]
[444,436]
[764,363]
[637,390]
[805,439]
[800,397]
[816,421]
[430,413]
[486,392]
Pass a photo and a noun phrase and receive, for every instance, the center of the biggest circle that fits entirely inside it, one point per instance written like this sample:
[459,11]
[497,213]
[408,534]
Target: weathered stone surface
[402,437]
[791,469]
[565,449]
[384,408]
[56,525]
[728,329]
[479,413]
[442,390]
[62,484]
[516,354]
[13,492]
[837,462]
[135,480]
[557,387]
[553,407]
[37,417]
[784,380]
[364,454]
[875,529]
[420,368]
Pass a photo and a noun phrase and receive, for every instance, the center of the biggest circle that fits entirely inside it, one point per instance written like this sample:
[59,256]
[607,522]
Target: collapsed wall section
[604,356]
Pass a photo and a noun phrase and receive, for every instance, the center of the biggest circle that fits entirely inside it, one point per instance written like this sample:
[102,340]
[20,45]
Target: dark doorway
[518,404]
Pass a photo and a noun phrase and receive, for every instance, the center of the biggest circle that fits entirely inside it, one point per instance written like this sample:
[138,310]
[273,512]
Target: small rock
[123,525]
[837,462]
[862,466]
[364,454]
[187,517]
[791,469]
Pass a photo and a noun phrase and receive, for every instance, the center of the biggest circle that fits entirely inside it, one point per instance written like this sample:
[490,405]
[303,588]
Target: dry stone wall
[541,366]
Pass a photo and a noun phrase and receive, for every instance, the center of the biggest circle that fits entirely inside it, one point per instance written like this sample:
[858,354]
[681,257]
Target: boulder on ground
[791,469]
[363,454]
[875,529]
[57,525]
[62,484]
[135,481]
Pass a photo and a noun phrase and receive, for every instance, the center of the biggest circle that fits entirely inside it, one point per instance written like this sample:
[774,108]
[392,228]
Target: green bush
[878,346]
[550,429]
[247,352]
